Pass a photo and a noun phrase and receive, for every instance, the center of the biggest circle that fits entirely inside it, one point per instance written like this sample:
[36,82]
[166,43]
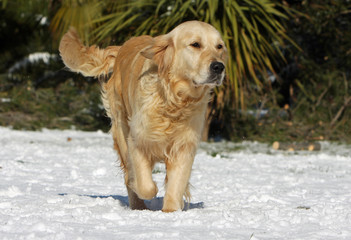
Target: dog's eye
[195,45]
[219,46]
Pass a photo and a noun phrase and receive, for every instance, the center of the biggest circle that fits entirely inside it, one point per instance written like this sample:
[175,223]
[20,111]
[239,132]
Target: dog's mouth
[215,79]
[212,81]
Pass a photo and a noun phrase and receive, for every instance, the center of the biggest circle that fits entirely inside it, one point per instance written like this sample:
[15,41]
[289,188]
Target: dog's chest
[159,126]
[160,120]
[153,123]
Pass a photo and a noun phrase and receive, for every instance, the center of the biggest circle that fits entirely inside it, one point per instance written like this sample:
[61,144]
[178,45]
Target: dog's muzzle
[216,73]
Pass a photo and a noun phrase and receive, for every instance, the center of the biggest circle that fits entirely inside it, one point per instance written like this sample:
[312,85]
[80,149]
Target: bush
[72,102]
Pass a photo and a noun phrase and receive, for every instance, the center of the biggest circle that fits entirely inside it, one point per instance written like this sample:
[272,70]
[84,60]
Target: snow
[67,185]
[33,58]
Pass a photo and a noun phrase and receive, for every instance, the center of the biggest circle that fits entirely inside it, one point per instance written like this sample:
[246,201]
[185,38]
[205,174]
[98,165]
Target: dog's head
[194,51]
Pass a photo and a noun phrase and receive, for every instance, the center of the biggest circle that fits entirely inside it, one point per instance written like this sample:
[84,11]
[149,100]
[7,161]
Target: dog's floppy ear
[161,52]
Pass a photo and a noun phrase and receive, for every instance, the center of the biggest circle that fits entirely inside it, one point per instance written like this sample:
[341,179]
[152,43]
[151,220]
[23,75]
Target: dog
[156,98]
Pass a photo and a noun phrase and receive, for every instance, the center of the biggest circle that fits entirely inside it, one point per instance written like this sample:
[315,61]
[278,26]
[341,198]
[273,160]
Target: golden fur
[156,98]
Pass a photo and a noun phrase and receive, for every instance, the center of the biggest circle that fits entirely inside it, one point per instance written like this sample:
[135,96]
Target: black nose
[217,67]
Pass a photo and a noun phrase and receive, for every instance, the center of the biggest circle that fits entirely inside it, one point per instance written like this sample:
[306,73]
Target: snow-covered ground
[67,185]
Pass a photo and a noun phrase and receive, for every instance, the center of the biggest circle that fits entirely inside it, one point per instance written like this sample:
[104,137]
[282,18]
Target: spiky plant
[80,14]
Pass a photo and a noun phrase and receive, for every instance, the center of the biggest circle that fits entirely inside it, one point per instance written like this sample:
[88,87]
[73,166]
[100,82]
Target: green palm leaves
[80,14]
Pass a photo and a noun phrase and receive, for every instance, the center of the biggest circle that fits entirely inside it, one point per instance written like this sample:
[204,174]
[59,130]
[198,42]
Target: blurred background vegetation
[288,74]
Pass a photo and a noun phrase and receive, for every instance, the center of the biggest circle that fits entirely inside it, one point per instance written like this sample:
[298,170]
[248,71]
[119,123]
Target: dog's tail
[89,61]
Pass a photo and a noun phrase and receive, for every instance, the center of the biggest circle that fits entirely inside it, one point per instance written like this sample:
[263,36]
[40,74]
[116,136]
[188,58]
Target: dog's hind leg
[135,202]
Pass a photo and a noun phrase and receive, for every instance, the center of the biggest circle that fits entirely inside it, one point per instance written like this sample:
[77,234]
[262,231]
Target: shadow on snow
[154,204]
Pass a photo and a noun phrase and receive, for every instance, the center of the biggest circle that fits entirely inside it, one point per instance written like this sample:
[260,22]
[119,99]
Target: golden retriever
[156,98]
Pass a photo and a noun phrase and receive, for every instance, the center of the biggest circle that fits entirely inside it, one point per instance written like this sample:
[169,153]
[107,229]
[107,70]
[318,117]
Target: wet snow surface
[67,185]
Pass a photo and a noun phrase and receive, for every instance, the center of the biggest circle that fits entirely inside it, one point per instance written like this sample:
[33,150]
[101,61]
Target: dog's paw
[146,191]
[172,205]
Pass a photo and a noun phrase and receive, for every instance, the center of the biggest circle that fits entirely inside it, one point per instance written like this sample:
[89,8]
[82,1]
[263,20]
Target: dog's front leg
[177,180]
[140,179]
